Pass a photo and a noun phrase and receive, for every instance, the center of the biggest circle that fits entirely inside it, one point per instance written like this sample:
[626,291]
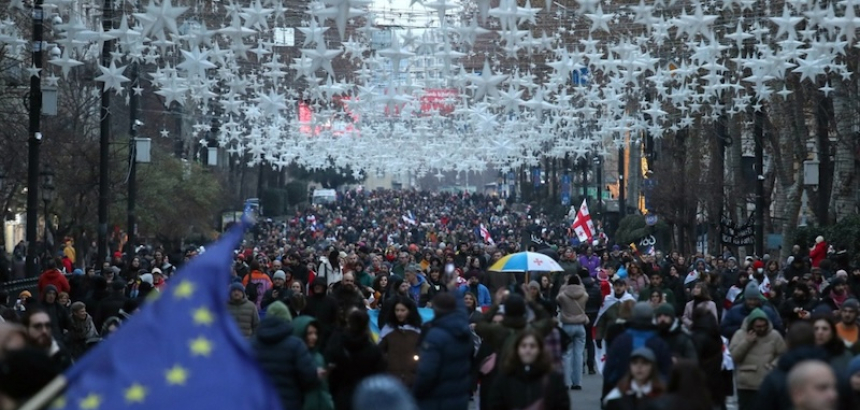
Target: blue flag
[181,351]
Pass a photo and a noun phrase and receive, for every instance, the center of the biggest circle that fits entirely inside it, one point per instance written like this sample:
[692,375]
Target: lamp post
[34,140]
[48,193]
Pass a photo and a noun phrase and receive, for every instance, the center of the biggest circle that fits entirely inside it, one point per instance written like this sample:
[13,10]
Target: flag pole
[44,396]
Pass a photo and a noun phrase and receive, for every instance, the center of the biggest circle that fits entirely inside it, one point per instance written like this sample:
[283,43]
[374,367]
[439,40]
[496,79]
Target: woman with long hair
[380,288]
[526,379]
[685,389]
[826,338]
[639,386]
[471,302]
[705,332]
[701,300]
[398,340]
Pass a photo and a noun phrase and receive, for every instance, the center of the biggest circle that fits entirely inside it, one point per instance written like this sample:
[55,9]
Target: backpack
[253,289]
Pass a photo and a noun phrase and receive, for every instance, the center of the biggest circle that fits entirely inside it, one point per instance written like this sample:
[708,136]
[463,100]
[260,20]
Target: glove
[599,343]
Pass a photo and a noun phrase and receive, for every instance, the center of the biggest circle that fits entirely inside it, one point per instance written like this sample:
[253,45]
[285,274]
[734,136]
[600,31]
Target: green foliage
[297,193]
[633,228]
[274,202]
[846,232]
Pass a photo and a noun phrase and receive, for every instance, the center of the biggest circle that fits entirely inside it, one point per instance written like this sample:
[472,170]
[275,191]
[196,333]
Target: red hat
[117,254]
[240,256]
[758,265]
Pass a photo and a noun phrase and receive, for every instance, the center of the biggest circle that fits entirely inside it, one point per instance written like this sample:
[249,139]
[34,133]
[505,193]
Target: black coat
[680,343]
[109,306]
[324,309]
[443,379]
[286,359]
[522,388]
[352,358]
[284,296]
[773,392]
[709,347]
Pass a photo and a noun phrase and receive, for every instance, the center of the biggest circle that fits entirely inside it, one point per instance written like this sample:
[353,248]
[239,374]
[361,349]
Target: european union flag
[181,351]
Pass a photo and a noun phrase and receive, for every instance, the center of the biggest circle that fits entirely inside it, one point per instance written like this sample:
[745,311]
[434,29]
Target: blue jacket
[443,379]
[483,295]
[286,360]
[735,317]
[618,355]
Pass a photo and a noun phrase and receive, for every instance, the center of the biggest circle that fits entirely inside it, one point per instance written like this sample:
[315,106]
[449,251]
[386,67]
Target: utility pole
[133,103]
[622,203]
[34,140]
[104,141]
[758,132]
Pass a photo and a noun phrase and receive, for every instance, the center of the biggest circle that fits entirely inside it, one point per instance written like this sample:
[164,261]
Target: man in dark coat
[111,305]
[285,358]
[670,330]
[444,359]
[323,307]
[278,292]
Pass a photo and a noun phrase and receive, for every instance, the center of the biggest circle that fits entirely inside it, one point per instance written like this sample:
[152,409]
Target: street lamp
[48,193]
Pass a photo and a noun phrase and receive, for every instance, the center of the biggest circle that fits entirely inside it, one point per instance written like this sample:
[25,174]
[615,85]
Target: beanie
[280,275]
[77,272]
[534,284]
[751,291]
[280,310]
[237,286]
[665,309]
[147,278]
[758,265]
[851,304]
[642,313]
[515,306]
[443,303]
[117,285]
[383,392]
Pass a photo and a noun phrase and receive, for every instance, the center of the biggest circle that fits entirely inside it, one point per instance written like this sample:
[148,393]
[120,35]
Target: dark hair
[334,258]
[512,359]
[413,319]
[705,293]
[657,385]
[32,311]
[378,287]
[686,383]
[574,280]
[834,346]
[800,333]
[357,322]
[254,265]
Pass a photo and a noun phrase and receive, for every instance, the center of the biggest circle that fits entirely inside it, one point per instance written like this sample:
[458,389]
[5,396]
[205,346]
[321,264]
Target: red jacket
[53,277]
[818,253]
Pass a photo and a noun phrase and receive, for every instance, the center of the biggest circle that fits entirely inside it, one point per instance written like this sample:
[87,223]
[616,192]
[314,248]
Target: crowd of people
[665,331]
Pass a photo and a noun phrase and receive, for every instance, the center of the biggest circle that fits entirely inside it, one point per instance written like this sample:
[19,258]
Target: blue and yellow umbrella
[526,262]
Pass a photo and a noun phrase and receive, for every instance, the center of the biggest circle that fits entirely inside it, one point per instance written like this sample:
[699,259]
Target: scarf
[838,300]
[639,391]
[610,300]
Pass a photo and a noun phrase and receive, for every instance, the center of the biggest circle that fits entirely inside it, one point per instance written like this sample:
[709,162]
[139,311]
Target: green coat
[320,397]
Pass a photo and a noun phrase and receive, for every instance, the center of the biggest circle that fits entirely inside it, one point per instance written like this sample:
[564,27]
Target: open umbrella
[526,262]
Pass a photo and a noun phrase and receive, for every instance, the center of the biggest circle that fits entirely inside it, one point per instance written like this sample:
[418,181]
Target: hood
[421,282]
[49,288]
[574,291]
[640,336]
[794,356]
[757,313]
[455,323]
[300,325]
[280,310]
[52,273]
[273,329]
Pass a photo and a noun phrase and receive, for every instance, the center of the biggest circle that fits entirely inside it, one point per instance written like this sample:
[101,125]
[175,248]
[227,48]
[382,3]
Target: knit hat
[751,291]
[645,353]
[665,309]
[77,272]
[642,313]
[819,239]
[841,273]
[146,278]
[515,306]
[534,284]
[852,304]
[280,310]
[383,392]
[854,366]
[444,303]
[237,286]
[280,275]
[25,294]
[758,265]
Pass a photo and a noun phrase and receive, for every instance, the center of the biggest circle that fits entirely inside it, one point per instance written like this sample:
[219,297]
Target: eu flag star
[135,393]
[176,376]
[200,346]
[91,402]
[59,402]
[203,316]
[184,290]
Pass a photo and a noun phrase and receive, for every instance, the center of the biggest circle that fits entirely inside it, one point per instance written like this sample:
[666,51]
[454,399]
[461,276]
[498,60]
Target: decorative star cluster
[518,82]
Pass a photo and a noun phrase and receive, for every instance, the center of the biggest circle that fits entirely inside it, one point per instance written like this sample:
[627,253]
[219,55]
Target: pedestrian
[705,334]
[572,299]
[318,398]
[444,359]
[670,330]
[382,392]
[684,391]
[526,379]
[701,300]
[754,348]
[278,292]
[640,384]
[52,276]
[852,398]
[323,307]
[398,340]
[38,325]
[812,386]
[243,310]
[826,337]
[284,357]
[352,357]
[82,331]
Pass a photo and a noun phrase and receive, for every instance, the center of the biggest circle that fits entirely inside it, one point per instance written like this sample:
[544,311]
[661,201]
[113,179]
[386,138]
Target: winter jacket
[56,278]
[645,294]
[679,341]
[708,305]
[773,391]
[400,347]
[525,386]
[753,360]
[818,253]
[735,317]
[58,313]
[618,354]
[284,296]
[323,308]
[418,291]
[442,381]
[246,315]
[483,296]
[81,334]
[591,263]
[709,348]
[261,281]
[286,360]
[317,398]
[595,297]
[572,300]
[108,307]
[352,358]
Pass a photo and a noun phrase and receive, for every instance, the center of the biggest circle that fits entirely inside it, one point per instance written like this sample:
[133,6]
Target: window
[284,36]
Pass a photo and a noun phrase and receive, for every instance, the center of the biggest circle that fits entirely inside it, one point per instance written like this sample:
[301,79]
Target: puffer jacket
[246,315]
[286,360]
[754,361]
[400,347]
[444,363]
[571,301]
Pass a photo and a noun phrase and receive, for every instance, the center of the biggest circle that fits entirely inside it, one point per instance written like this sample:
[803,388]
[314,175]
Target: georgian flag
[409,218]
[582,225]
[485,234]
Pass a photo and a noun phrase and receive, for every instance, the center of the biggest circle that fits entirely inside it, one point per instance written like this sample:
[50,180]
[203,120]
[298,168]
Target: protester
[572,299]
[82,331]
[243,311]
[352,357]
[526,379]
[838,355]
[676,337]
[398,340]
[754,348]
[641,384]
[705,334]
[812,386]
[38,325]
[684,391]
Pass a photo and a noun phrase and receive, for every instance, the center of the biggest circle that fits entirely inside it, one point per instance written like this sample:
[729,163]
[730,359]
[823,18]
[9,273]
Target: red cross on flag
[582,225]
[485,235]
